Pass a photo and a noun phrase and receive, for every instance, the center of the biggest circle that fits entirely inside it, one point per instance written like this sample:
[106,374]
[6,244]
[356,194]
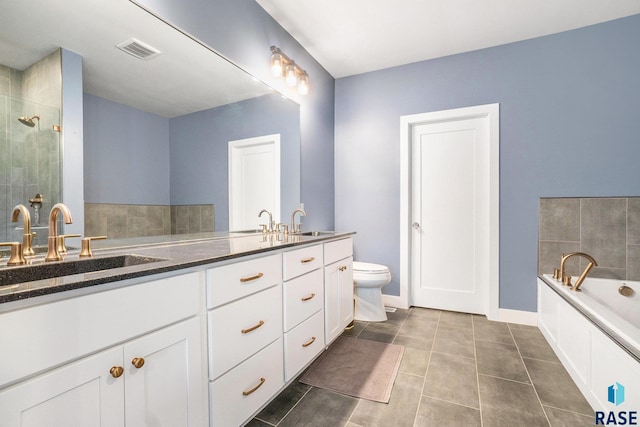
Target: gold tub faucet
[567,279]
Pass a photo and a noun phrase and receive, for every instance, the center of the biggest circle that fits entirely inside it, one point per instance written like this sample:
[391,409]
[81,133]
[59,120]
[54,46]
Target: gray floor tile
[508,403]
[455,320]
[434,412]
[413,342]
[376,336]
[258,423]
[321,408]
[399,412]
[383,327]
[278,408]
[500,360]
[559,418]
[456,341]
[532,343]
[555,387]
[424,313]
[414,361]
[418,327]
[397,317]
[357,328]
[453,379]
[487,330]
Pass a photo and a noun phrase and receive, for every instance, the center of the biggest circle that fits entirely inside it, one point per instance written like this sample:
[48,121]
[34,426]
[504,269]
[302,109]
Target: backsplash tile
[606,228]
[122,221]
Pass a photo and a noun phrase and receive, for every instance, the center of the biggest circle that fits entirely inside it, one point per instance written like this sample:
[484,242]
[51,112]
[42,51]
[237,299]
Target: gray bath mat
[356,367]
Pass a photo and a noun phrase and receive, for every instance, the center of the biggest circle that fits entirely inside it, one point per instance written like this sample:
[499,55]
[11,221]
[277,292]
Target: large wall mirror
[156,130]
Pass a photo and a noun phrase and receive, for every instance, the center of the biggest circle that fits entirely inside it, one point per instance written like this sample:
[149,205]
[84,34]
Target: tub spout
[592,263]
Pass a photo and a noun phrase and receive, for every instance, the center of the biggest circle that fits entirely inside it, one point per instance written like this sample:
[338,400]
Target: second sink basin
[29,273]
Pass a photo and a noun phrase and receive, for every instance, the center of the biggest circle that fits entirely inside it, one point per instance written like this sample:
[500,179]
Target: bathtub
[595,332]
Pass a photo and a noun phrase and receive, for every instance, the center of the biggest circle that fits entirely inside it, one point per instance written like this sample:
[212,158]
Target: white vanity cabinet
[246,368]
[84,385]
[303,308]
[338,286]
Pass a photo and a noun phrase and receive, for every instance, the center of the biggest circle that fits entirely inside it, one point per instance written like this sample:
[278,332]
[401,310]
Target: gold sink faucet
[567,279]
[27,236]
[52,252]
[295,230]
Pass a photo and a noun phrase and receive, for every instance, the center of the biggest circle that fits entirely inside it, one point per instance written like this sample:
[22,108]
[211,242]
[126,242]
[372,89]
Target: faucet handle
[16,257]
[62,249]
[85,252]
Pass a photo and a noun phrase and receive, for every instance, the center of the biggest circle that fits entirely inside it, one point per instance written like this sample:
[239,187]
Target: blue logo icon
[615,393]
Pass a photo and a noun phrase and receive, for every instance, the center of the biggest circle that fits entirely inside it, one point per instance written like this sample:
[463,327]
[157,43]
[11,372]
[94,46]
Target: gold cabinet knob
[116,371]
[138,362]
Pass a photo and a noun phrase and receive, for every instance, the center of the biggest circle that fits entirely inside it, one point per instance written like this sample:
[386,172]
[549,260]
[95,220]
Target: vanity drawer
[302,344]
[242,328]
[233,281]
[335,251]
[303,296]
[301,261]
[234,396]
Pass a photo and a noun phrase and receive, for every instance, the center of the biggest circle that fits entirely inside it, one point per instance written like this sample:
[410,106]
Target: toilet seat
[368,267]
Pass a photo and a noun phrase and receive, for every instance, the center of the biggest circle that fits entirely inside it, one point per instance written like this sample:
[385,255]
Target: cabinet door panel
[345,271]
[81,394]
[168,388]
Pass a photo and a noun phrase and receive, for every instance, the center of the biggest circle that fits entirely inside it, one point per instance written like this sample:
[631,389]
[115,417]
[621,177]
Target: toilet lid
[367,267]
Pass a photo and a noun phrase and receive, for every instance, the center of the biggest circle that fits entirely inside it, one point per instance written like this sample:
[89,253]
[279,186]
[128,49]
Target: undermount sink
[29,273]
[317,233]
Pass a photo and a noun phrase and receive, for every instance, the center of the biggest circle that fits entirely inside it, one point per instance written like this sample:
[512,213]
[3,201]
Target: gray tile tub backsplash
[606,228]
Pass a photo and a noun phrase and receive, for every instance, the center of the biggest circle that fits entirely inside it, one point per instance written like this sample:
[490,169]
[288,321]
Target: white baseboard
[518,316]
[394,301]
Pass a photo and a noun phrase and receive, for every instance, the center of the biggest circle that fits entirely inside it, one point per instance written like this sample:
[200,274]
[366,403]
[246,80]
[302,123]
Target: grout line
[289,411]
[529,376]
[426,372]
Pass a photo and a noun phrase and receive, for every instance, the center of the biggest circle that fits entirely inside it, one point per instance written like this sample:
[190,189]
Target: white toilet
[369,279]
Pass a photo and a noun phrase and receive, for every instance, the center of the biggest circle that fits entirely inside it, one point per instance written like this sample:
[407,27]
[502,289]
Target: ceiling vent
[138,49]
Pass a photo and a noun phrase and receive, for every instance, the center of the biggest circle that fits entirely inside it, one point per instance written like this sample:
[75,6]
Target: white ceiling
[355,36]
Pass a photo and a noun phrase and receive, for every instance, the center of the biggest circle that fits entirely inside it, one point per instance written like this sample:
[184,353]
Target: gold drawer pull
[248,392]
[308,343]
[138,362]
[250,278]
[342,268]
[253,328]
[309,297]
[306,260]
[116,371]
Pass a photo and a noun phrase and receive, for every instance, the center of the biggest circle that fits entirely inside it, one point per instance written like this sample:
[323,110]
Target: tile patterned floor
[458,370]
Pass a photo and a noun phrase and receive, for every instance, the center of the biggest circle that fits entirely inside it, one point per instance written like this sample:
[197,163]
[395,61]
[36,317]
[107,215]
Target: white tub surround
[592,332]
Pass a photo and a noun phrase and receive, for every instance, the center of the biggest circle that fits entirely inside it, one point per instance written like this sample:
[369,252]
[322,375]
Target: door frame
[492,113]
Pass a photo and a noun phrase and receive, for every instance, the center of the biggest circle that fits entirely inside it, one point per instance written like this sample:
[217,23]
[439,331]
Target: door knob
[416,225]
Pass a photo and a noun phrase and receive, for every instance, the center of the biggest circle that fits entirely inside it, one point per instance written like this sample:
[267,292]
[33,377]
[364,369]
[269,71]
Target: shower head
[28,121]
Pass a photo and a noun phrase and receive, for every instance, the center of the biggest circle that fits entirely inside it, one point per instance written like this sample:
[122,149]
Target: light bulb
[276,65]
[290,76]
[303,84]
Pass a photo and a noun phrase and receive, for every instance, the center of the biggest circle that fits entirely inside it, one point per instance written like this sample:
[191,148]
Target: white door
[254,181]
[452,207]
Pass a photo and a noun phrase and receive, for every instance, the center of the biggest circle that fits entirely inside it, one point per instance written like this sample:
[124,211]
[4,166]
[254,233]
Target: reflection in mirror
[30,152]
[155,131]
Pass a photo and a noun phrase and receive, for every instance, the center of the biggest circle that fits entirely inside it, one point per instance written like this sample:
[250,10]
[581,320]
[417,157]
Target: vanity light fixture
[283,66]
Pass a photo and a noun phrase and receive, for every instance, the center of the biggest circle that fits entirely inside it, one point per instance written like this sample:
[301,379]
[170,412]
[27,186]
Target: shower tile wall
[121,221]
[606,228]
[29,157]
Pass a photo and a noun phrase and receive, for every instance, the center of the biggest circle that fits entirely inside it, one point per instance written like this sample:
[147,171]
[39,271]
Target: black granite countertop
[174,253]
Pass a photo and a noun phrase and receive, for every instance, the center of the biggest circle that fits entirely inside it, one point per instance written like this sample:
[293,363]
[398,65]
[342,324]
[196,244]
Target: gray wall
[568,106]
[243,32]
[126,154]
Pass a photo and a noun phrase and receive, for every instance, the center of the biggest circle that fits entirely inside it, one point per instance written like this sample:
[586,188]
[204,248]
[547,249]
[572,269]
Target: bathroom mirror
[155,130]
